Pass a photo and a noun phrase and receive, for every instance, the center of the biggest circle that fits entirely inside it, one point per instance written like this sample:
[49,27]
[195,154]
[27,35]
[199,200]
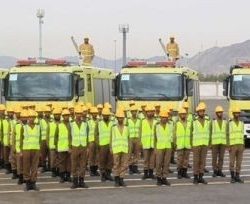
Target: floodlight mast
[124,29]
[40,15]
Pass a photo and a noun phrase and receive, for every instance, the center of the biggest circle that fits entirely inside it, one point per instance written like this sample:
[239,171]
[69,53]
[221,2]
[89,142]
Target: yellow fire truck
[158,82]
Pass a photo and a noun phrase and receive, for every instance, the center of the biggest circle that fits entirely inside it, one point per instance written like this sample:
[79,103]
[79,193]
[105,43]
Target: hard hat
[107,105]
[143,105]
[201,106]
[24,114]
[170,107]
[106,111]
[182,111]
[150,108]
[120,114]
[84,109]
[18,110]
[163,114]
[89,105]
[157,105]
[93,110]
[236,110]
[99,106]
[57,111]
[65,112]
[71,106]
[2,107]
[10,109]
[80,103]
[78,109]
[132,102]
[186,104]
[133,108]
[38,109]
[219,109]
[32,113]
[47,109]
[121,108]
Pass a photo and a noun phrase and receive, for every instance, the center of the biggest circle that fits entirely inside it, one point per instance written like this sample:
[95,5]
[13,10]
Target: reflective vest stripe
[31,137]
[219,133]
[201,133]
[79,135]
[183,135]
[236,133]
[119,141]
[163,136]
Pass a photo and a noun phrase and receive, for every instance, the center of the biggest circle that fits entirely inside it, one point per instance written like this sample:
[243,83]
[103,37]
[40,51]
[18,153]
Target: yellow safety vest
[63,138]
[44,127]
[6,132]
[104,132]
[147,134]
[31,137]
[52,132]
[12,128]
[236,133]
[163,137]
[92,126]
[120,141]
[190,117]
[183,135]
[1,130]
[79,135]
[134,128]
[18,129]
[219,134]
[201,133]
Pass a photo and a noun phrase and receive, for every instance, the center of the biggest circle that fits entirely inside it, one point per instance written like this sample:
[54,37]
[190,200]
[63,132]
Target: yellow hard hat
[57,111]
[201,106]
[219,109]
[106,111]
[157,105]
[99,106]
[84,109]
[2,107]
[150,108]
[182,111]
[38,108]
[120,114]
[71,106]
[170,107]
[80,103]
[78,109]
[236,110]
[47,109]
[134,108]
[93,110]
[18,110]
[186,104]
[65,112]
[163,114]
[131,102]
[32,113]
[10,109]
[89,105]
[143,105]
[24,114]
[107,105]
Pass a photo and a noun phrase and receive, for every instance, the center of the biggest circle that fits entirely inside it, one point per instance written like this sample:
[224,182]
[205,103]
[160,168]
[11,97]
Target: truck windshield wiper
[164,95]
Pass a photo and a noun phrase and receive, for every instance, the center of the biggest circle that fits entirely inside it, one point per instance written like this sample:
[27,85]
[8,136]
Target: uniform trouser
[93,154]
[120,164]
[78,161]
[163,157]
[218,152]
[19,163]
[44,153]
[236,156]
[13,158]
[6,154]
[199,159]
[1,151]
[64,163]
[53,154]
[134,150]
[87,59]
[149,158]
[105,158]
[183,158]
[173,151]
[30,164]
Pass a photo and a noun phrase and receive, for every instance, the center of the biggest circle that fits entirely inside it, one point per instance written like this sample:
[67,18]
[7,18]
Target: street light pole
[115,55]
[40,14]
[124,29]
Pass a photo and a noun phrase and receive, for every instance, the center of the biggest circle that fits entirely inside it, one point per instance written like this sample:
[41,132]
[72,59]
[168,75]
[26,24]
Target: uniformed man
[182,141]
[79,143]
[190,116]
[2,110]
[87,51]
[102,137]
[171,120]
[163,147]
[157,112]
[92,145]
[218,141]
[147,140]
[236,145]
[99,108]
[119,148]
[173,49]
[134,125]
[200,142]
[62,142]
[30,150]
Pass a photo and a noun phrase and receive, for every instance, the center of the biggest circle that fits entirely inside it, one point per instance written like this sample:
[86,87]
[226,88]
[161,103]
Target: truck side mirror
[115,85]
[80,86]
[190,87]
[225,87]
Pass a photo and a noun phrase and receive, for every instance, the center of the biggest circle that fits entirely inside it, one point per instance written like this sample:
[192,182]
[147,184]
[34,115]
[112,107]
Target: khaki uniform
[173,50]
[87,52]
[30,164]
[44,144]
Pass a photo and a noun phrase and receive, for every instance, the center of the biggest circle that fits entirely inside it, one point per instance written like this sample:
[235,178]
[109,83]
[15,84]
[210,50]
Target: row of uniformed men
[118,143]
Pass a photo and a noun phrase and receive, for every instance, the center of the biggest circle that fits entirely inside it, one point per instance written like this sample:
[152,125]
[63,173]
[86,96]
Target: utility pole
[124,29]
[115,54]
[40,14]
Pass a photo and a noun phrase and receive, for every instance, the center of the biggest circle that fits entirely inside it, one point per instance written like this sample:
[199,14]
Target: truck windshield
[151,87]
[240,87]
[39,86]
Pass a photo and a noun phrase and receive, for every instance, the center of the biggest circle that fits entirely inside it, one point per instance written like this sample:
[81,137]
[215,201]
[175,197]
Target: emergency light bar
[244,64]
[150,64]
[47,62]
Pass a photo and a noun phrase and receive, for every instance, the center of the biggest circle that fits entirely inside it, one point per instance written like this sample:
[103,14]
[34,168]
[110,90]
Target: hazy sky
[197,24]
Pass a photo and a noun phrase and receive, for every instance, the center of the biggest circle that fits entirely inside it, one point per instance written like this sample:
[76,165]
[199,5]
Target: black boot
[20,179]
[215,174]
[82,184]
[201,179]
[179,174]
[170,171]
[238,179]
[108,175]
[53,172]
[151,174]
[8,168]
[1,164]
[96,171]
[185,174]
[220,173]
[206,170]
[172,161]
[67,177]
[14,174]
[117,181]
[34,186]
[27,186]
[74,183]
[196,180]
[159,181]
[136,170]
[103,176]
[62,177]
[130,167]
[92,170]
[232,177]
[165,182]
[145,175]
[121,182]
